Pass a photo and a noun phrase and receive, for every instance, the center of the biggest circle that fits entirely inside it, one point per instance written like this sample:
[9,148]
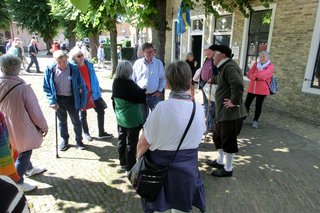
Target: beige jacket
[23,114]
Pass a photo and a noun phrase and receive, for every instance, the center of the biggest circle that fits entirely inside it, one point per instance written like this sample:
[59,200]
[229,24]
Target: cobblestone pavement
[276,170]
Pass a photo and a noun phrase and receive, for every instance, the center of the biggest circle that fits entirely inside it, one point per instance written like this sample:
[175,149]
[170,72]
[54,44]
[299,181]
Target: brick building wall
[294,22]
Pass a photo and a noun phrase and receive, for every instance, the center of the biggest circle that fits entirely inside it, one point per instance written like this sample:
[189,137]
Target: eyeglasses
[149,52]
[80,56]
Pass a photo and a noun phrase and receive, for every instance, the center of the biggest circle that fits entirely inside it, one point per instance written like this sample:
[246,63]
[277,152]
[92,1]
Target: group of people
[15,48]
[137,99]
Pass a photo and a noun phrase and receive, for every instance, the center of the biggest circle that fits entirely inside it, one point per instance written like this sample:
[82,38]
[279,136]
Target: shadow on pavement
[274,171]
[86,195]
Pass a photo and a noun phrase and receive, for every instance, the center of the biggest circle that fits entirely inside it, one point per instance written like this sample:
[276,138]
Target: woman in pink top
[24,118]
[260,77]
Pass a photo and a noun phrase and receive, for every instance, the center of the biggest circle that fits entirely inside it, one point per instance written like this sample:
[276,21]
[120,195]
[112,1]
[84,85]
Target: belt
[151,93]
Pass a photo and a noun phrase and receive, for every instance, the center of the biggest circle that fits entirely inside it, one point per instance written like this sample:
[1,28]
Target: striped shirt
[62,81]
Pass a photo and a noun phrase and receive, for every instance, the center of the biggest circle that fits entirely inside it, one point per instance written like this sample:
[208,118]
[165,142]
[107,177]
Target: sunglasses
[80,56]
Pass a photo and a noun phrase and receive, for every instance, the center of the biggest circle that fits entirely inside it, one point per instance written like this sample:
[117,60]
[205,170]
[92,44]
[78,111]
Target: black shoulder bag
[5,95]
[147,177]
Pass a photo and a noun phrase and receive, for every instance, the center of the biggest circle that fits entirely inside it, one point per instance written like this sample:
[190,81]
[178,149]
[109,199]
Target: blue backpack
[273,86]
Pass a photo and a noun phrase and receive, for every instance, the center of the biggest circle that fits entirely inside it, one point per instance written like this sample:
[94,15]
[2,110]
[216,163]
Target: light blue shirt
[149,76]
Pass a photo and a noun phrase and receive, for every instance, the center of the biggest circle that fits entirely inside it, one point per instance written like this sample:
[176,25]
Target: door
[196,47]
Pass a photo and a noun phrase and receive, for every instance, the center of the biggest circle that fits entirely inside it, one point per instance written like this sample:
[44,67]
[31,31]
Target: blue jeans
[34,60]
[210,120]
[23,164]
[151,102]
[66,106]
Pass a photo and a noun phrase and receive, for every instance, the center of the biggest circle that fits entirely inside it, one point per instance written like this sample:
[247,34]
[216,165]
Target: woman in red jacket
[260,77]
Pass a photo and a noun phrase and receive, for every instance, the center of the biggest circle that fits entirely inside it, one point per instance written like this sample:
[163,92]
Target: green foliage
[35,16]
[127,53]
[67,15]
[126,43]
[107,53]
[82,5]
[244,6]
[5,16]
[142,13]
[93,60]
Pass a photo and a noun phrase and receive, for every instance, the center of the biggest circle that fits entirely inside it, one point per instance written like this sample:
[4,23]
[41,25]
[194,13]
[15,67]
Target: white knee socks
[220,156]
[229,159]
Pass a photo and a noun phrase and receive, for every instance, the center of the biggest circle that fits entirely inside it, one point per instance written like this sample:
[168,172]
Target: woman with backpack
[260,77]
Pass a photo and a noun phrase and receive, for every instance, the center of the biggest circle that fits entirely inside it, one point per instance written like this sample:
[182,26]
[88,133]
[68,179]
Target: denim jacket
[80,99]
[95,88]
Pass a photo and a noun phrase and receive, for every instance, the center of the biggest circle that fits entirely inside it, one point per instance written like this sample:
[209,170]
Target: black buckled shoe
[221,173]
[214,163]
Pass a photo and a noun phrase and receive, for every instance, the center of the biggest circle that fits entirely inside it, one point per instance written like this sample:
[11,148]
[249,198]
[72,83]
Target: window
[177,43]
[315,81]
[258,36]
[312,75]
[197,25]
[222,30]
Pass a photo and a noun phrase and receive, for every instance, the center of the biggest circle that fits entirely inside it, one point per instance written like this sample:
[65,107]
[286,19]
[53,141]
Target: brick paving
[276,170]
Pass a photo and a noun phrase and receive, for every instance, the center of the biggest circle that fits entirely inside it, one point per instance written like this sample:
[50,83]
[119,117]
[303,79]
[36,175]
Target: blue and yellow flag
[183,19]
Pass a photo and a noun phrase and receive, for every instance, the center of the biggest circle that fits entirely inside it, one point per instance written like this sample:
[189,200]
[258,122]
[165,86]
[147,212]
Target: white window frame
[224,33]
[173,40]
[313,52]
[191,33]
[244,46]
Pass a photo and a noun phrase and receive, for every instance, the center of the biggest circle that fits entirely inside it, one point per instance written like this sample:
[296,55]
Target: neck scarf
[262,66]
[179,95]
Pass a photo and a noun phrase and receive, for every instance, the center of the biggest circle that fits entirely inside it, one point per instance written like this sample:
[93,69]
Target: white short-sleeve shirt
[167,122]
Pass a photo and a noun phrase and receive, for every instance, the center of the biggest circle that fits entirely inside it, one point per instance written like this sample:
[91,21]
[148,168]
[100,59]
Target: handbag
[147,177]
[210,91]
[90,102]
[273,86]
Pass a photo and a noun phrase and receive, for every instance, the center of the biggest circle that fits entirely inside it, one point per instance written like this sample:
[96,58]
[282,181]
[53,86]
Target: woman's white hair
[59,54]
[124,70]
[74,52]
[10,64]
[264,52]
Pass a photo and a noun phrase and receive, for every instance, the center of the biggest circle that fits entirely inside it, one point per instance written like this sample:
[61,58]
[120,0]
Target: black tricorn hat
[224,49]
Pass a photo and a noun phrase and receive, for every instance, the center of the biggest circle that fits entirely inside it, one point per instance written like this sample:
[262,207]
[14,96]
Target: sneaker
[105,135]
[28,71]
[63,146]
[39,71]
[81,146]
[221,173]
[26,187]
[88,137]
[255,125]
[35,171]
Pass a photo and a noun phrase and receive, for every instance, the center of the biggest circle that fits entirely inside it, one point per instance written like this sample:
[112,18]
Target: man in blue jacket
[67,94]
[90,78]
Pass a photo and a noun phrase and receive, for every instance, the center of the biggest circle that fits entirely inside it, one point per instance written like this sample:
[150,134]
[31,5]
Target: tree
[152,14]
[68,17]
[35,16]
[103,15]
[5,16]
